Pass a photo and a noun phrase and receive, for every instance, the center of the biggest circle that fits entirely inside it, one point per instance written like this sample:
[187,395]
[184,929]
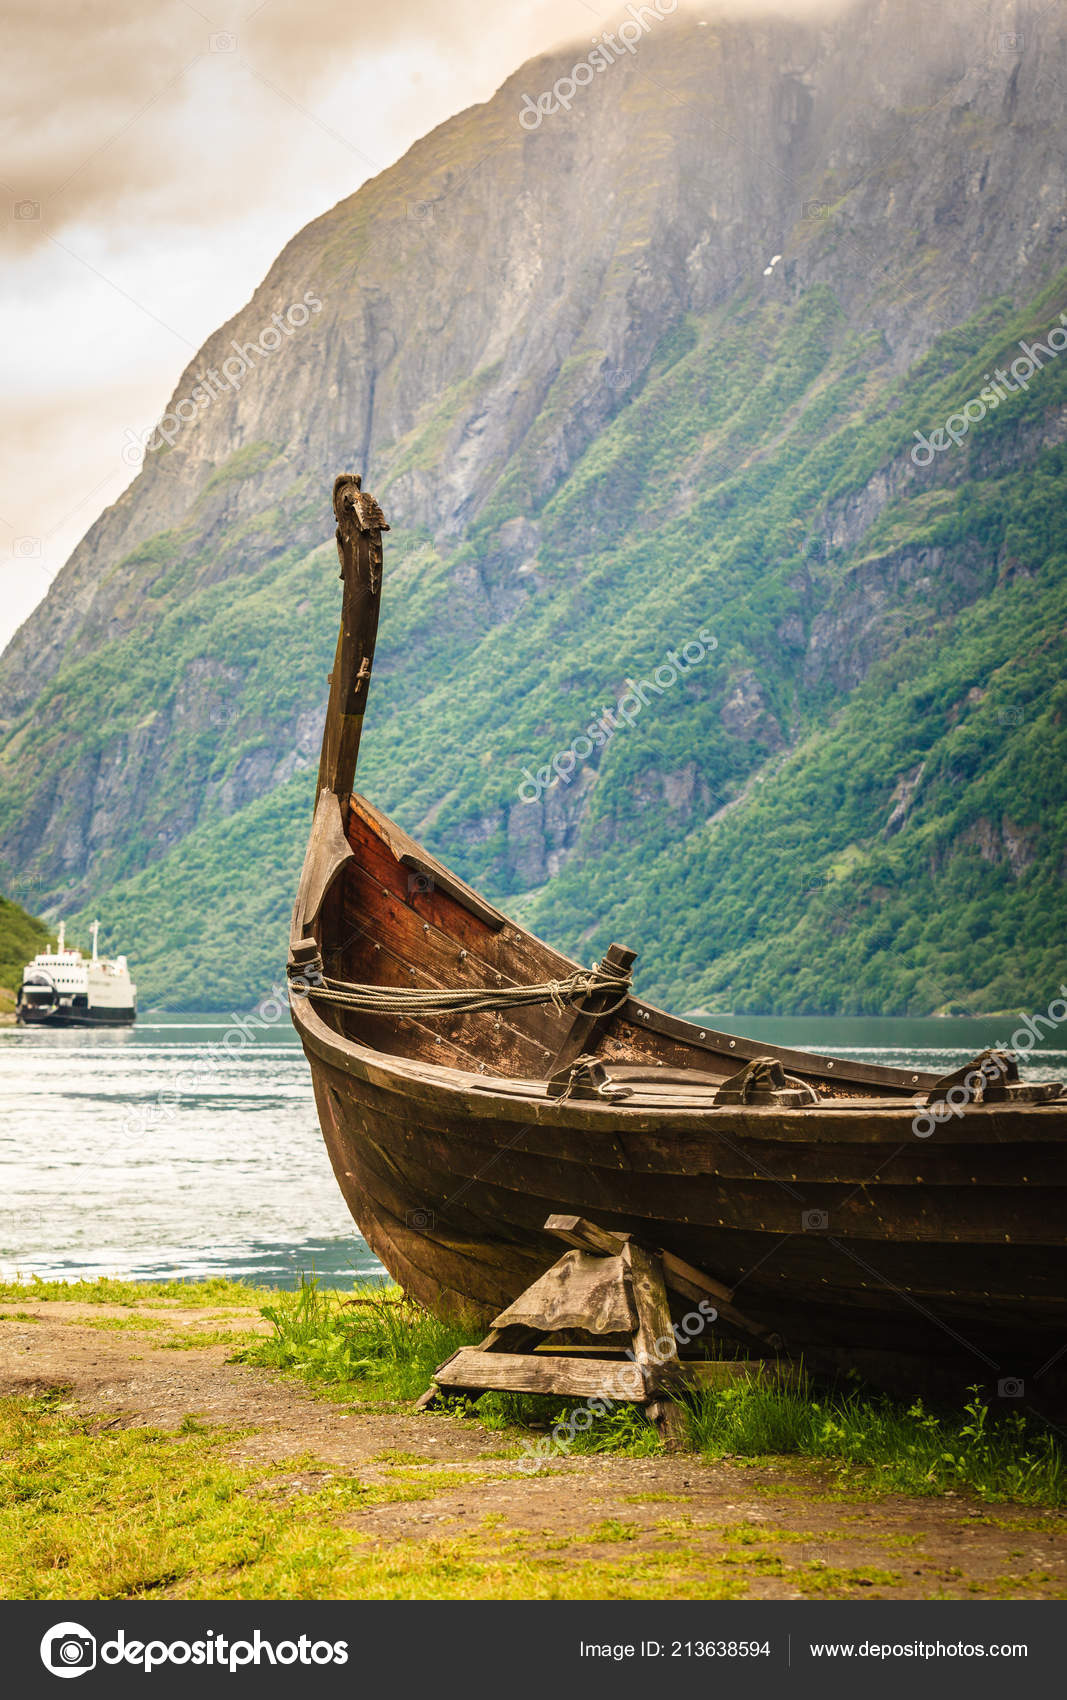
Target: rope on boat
[410,1000]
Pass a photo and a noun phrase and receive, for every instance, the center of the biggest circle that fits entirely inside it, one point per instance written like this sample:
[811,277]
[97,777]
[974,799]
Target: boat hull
[924,1266]
[79,1018]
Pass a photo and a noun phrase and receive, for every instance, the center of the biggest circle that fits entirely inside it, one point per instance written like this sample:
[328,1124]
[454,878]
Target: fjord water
[187,1145]
[161,1151]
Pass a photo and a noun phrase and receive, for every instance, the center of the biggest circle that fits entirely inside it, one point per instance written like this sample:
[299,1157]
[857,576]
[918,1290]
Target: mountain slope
[599,427]
[21,937]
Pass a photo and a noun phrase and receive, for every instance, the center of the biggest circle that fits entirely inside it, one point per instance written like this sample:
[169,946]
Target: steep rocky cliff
[601,420]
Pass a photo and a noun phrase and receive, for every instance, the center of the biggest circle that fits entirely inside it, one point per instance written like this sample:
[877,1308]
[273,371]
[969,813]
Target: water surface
[186,1145]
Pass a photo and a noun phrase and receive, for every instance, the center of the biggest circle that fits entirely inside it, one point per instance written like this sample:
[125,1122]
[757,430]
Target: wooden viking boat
[471,1082]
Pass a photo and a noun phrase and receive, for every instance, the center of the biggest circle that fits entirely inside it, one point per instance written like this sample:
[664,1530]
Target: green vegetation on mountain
[799,898]
[21,937]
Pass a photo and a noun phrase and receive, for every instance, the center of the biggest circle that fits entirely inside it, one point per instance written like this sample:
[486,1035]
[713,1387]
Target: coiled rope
[409,1000]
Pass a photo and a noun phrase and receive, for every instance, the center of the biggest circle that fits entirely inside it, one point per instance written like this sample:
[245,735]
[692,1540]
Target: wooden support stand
[606,1285]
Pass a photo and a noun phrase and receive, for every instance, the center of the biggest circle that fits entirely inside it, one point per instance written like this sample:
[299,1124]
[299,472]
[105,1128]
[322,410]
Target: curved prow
[360,523]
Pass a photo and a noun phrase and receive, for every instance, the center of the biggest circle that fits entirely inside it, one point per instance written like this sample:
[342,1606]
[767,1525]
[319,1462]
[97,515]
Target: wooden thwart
[604,1285]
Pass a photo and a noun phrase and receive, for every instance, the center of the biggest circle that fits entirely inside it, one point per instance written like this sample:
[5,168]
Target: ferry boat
[62,988]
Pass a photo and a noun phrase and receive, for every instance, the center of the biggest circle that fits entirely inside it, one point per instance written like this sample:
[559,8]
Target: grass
[144,1513]
[885,1445]
[387,1347]
[106,1290]
[372,1338]
[373,1345]
[141,1513]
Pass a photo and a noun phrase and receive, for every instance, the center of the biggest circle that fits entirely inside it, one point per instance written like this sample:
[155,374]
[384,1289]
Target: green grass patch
[120,1323]
[107,1290]
[883,1445]
[145,1513]
[202,1337]
[656,1498]
[371,1339]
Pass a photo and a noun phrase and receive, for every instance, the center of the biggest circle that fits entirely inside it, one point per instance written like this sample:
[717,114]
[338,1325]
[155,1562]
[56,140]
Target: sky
[154,160]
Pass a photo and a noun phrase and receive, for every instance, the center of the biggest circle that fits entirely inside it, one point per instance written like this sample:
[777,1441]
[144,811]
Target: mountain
[650,368]
[21,937]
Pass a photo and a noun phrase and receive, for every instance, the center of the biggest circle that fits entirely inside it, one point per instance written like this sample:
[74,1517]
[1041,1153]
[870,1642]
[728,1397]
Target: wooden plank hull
[452,1196]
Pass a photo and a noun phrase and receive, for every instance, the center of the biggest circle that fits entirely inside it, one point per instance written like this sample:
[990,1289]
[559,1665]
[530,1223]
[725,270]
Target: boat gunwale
[511,1100]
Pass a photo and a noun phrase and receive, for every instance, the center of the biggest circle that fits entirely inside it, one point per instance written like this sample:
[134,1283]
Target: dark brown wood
[360,524]
[590,1023]
[423,874]
[618,1295]
[865,1223]
[669,1419]
[764,1081]
[655,1347]
[513,1337]
[475,1371]
[575,1231]
[327,852]
[992,1077]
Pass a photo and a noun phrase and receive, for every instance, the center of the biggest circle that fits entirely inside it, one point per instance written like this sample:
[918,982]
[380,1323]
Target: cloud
[147,114]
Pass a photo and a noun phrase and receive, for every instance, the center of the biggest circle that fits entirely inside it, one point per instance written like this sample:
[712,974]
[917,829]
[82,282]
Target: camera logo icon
[815,1221]
[421,883]
[423,1221]
[26,548]
[68,1649]
[1010,1387]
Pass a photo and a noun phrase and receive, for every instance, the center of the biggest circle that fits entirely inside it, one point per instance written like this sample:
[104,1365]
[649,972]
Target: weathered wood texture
[327,852]
[476,1371]
[655,1347]
[594,1019]
[360,524]
[579,1291]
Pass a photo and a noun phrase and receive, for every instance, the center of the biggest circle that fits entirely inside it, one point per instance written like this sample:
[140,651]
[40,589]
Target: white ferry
[62,988]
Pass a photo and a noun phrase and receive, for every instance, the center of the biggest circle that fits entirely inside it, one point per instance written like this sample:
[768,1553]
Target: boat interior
[386,914]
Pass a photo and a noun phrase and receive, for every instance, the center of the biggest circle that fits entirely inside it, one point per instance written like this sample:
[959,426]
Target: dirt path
[764,1532]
